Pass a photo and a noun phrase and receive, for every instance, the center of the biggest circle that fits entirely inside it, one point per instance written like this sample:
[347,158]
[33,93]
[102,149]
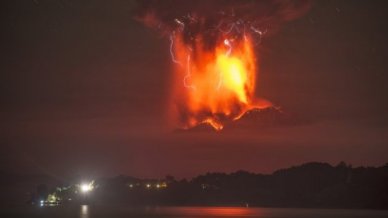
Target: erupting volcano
[214,85]
[214,45]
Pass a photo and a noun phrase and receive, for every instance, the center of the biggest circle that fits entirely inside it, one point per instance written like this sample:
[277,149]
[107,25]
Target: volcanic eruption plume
[214,46]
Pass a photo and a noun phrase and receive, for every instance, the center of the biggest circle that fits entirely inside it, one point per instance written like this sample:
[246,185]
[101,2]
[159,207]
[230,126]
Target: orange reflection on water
[225,211]
[212,211]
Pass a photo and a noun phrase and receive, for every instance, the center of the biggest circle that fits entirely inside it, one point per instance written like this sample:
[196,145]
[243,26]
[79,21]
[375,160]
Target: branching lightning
[213,48]
[172,35]
[230,30]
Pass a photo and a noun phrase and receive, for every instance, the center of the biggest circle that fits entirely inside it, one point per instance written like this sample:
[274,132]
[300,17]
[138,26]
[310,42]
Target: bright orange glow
[214,85]
[213,211]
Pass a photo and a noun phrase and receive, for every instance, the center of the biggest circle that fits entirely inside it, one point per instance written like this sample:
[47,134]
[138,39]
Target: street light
[86,187]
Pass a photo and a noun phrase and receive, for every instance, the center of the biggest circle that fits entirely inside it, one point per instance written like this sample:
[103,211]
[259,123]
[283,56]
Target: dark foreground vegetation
[308,185]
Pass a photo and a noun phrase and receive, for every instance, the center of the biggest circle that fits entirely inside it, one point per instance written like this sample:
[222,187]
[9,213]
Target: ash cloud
[202,25]
[211,19]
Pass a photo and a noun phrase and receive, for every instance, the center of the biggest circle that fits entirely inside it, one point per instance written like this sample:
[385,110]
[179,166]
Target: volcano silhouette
[252,119]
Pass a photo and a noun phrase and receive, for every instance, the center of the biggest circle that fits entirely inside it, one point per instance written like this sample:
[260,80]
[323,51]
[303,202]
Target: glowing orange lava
[214,85]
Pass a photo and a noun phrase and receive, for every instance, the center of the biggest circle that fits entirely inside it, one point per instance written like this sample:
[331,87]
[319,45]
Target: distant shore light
[86,187]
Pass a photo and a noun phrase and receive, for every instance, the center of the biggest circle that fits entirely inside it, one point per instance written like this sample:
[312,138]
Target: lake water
[93,211]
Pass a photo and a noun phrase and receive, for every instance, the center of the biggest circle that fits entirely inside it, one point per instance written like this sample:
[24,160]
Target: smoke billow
[214,18]
[212,48]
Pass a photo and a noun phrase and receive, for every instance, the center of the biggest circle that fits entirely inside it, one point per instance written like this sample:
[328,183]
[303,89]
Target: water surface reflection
[126,211]
[210,211]
[84,211]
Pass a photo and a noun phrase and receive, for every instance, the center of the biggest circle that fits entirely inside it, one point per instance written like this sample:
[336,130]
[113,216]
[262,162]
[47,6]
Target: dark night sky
[84,89]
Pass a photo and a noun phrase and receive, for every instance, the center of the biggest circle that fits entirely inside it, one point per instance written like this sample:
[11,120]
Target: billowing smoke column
[213,46]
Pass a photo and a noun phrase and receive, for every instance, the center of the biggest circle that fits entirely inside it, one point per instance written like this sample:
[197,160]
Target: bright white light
[86,187]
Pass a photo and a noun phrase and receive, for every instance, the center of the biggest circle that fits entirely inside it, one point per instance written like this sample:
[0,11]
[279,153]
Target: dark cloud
[210,19]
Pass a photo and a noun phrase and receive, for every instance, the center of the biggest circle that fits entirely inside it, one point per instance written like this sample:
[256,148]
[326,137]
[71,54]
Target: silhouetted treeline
[308,185]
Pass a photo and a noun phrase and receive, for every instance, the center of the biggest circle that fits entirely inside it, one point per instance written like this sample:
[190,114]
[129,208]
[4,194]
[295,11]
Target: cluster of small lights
[51,200]
[149,185]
